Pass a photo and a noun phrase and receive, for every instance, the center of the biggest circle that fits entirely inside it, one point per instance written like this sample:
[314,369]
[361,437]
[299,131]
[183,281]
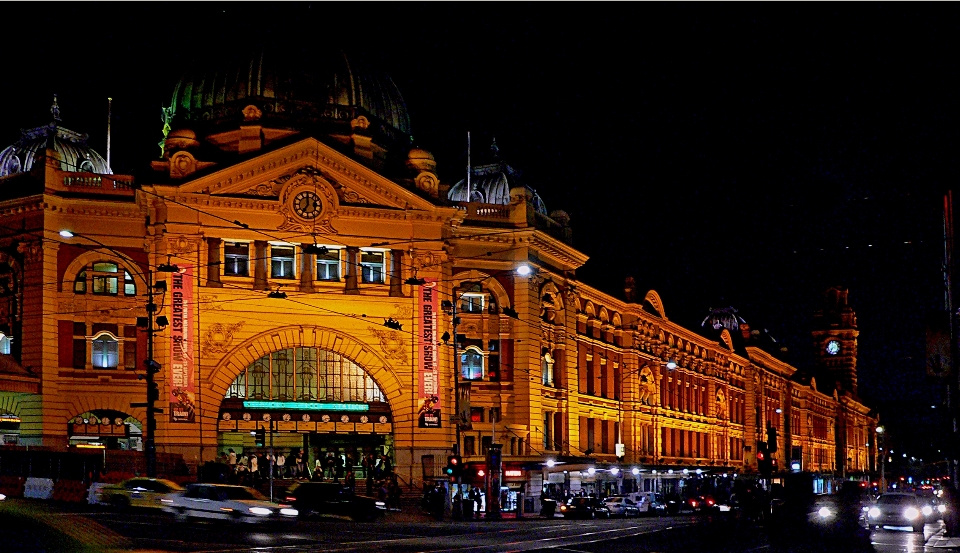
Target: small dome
[491,183]
[75,154]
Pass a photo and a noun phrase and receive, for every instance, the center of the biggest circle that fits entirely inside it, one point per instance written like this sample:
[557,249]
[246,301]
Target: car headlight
[289,511]
[942,508]
[380,505]
[2,497]
[927,510]
[911,513]
[261,511]
[825,512]
[874,512]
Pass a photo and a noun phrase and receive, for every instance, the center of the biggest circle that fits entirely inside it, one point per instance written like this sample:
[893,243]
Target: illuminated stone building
[322,277]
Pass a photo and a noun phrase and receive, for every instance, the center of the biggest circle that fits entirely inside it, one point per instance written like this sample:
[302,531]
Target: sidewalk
[939,541]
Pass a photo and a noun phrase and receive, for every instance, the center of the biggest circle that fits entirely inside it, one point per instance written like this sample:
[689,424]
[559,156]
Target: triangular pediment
[304,165]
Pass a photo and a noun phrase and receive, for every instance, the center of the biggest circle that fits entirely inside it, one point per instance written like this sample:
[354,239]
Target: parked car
[584,507]
[896,509]
[137,492]
[225,502]
[649,503]
[331,498]
[621,507]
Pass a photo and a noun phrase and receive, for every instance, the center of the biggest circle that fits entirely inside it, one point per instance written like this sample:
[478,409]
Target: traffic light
[153,392]
[771,439]
[454,466]
[764,464]
[152,365]
[260,437]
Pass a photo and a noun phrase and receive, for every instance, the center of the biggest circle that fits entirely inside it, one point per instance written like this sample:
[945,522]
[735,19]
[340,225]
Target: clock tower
[835,339]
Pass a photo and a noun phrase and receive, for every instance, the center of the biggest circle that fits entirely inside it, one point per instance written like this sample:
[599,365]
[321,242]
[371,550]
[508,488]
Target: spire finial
[55,110]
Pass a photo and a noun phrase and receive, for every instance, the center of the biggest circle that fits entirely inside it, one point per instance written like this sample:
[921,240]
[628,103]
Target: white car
[225,502]
[622,507]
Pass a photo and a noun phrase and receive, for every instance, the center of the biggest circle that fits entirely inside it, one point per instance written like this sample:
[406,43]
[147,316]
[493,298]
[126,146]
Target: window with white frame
[371,266]
[282,258]
[236,259]
[4,344]
[471,364]
[472,303]
[105,351]
[328,265]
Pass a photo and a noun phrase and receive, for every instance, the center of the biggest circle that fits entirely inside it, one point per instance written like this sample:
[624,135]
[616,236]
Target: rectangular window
[476,414]
[328,265]
[469,445]
[494,414]
[281,261]
[236,259]
[105,352]
[104,285]
[371,267]
[471,303]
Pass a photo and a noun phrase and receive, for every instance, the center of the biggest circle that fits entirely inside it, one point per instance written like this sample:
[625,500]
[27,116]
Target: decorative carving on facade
[648,387]
[252,113]
[263,189]
[721,412]
[391,342]
[31,251]
[424,260]
[178,245]
[219,337]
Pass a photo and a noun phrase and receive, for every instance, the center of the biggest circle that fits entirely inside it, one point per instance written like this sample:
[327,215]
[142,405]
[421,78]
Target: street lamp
[883,460]
[152,325]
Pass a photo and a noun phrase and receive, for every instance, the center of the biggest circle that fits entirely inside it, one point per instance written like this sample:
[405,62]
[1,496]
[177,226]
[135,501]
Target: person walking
[281,468]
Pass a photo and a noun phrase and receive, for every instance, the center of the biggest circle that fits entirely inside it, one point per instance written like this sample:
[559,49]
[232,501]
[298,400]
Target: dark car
[331,498]
[584,507]
[896,509]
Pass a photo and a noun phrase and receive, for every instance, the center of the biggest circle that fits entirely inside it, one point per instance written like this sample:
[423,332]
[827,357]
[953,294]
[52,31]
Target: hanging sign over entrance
[429,381]
[182,370]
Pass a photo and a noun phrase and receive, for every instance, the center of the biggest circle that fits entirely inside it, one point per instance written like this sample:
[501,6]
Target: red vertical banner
[183,393]
[429,369]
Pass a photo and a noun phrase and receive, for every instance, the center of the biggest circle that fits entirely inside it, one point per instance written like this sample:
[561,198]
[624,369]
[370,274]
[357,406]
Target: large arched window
[471,364]
[105,351]
[104,278]
[4,344]
[305,374]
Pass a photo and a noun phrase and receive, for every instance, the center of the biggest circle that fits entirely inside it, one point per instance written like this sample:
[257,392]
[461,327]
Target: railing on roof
[491,212]
[105,184]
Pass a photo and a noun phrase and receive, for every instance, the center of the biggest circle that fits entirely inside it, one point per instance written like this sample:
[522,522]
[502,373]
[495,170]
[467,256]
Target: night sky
[747,155]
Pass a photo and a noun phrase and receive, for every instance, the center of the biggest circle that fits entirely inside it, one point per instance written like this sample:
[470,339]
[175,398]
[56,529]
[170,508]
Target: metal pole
[149,446]
[457,505]
[271,459]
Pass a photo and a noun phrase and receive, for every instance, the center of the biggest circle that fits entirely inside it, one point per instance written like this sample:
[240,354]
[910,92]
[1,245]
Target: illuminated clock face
[833,347]
[307,204]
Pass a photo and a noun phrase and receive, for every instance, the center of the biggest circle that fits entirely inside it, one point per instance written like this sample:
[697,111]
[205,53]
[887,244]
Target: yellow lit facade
[293,249]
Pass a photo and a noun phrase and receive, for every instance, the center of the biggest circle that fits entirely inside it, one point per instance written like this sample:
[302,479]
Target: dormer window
[86,166]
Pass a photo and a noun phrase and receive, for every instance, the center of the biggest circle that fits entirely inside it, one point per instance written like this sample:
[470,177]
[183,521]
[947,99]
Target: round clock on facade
[307,204]
[833,347]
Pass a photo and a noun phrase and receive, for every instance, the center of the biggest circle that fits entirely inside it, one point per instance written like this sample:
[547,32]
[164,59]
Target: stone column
[260,263]
[352,271]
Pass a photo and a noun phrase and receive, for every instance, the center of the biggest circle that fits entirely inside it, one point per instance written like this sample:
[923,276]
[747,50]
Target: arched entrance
[105,428]
[309,402]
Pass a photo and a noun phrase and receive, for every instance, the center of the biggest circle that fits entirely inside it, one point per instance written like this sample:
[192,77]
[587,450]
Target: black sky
[743,154]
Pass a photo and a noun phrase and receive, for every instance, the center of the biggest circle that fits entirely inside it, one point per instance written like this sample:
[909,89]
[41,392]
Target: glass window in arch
[306,374]
[4,344]
[105,352]
[471,364]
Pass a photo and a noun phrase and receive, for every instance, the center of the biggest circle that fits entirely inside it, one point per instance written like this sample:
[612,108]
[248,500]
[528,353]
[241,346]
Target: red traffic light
[760,456]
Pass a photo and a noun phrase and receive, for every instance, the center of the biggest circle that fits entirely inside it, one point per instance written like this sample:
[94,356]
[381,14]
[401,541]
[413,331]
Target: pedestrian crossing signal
[454,465]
